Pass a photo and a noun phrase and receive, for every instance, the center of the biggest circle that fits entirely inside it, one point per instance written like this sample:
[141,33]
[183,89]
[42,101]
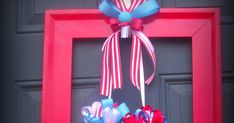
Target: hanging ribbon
[122,18]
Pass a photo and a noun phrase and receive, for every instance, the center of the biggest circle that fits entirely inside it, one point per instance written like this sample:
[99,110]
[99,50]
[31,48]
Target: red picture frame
[201,24]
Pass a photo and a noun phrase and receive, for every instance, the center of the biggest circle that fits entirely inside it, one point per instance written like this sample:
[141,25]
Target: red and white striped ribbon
[120,4]
[112,72]
[111,65]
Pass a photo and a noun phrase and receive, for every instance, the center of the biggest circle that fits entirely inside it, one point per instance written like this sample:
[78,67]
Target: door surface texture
[22,32]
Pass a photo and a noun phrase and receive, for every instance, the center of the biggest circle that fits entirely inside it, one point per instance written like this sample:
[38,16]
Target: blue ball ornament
[125,17]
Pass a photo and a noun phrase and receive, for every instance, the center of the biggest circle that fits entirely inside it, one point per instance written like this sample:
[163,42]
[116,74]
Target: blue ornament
[125,17]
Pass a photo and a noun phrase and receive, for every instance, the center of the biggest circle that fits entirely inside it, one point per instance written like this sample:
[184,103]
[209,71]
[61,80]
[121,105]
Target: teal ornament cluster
[147,8]
[109,113]
[113,114]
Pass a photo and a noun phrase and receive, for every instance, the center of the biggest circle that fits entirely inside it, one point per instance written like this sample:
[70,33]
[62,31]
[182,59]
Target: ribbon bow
[145,115]
[104,112]
[136,24]
[123,18]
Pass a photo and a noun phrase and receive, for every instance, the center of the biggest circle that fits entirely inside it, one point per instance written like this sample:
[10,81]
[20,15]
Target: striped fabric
[111,64]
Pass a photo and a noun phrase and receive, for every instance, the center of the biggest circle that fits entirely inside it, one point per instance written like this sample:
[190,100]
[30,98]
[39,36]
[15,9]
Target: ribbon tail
[135,61]
[142,81]
[116,62]
[110,88]
[136,67]
[111,65]
[149,48]
[105,83]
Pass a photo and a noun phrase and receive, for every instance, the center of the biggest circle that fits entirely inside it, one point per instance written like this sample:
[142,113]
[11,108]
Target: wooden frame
[201,24]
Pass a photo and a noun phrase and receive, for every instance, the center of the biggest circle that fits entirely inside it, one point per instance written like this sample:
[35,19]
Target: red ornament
[158,117]
[130,118]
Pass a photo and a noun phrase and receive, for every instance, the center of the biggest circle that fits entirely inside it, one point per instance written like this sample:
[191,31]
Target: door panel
[171,91]
[31,13]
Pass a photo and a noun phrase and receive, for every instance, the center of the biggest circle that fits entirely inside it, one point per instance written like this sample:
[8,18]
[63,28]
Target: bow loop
[136,24]
[143,117]
[129,118]
[116,25]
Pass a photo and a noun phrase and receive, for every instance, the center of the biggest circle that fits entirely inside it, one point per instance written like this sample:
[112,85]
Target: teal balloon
[125,17]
